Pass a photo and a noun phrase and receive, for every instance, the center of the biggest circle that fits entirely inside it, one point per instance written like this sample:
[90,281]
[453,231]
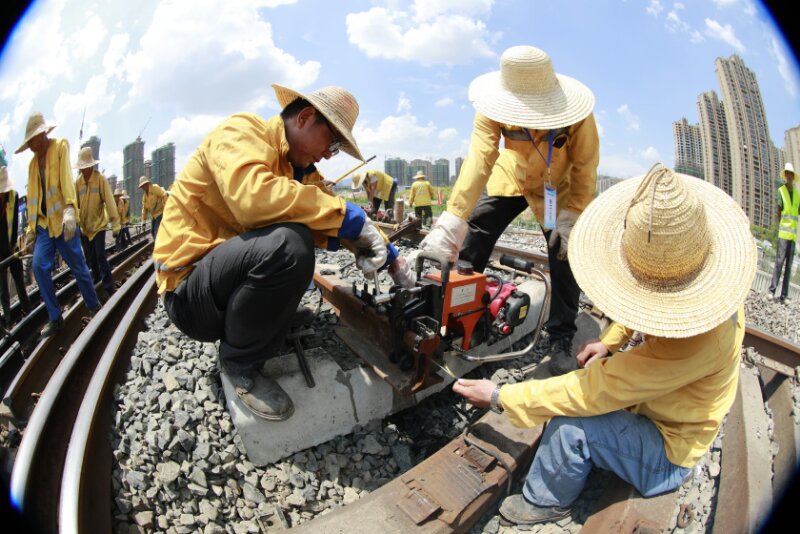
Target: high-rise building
[791,146]
[112,182]
[459,163]
[605,182]
[132,170]
[148,169]
[396,168]
[416,165]
[94,143]
[688,148]
[440,172]
[163,170]
[715,142]
[749,140]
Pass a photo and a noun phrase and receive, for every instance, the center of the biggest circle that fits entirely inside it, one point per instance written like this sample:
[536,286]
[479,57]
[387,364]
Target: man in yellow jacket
[153,202]
[95,207]
[51,219]
[124,236]
[379,186]
[549,162]
[9,218]
[788,211]
[669,256]
[235,252]
[421,197]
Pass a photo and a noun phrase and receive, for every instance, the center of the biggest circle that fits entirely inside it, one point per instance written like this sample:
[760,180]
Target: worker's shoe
[520,512]
[93,311]
[52,327]
[561,359]
[543,345]
[302,317]
[262,395]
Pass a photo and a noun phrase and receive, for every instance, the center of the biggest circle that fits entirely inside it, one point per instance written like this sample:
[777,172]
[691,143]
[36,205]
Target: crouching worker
[235,251]
[670,256]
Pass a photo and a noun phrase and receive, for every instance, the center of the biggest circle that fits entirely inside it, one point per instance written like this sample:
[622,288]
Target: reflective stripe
[790,217]
[787,229]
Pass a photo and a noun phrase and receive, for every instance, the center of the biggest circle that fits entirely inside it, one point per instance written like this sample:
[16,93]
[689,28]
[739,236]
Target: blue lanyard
[549,149]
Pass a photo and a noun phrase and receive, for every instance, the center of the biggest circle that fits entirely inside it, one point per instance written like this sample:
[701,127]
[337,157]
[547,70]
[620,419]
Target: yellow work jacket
[239,179]
[519,169]
[153,202]
[11,219]
[122,211]
[685,386]
[379,183]
[95,205]
[59,189]
[421,193]
[787,229]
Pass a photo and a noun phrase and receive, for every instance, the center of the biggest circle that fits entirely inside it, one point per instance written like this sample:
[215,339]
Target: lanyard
[549,157]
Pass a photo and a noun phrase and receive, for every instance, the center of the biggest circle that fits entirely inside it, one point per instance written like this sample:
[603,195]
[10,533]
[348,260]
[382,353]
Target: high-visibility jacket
[421,193]
[59,190]
[382,183]
[520,169]
[122,210]
[239,179]
[10,201]
[789,211]
[95,205]
[153,202]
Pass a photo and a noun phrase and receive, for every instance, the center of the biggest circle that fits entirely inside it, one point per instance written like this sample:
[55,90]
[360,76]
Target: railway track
[62,473]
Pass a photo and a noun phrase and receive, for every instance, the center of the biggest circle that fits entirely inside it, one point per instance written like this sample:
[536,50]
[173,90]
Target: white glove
[402,274]
[564,223]
[446,236]
[69,223]
[370,249]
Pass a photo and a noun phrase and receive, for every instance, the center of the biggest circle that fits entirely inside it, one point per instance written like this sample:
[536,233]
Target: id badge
[550,195]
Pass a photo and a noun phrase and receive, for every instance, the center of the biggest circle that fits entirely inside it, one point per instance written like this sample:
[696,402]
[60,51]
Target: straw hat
[787,168]
[665,254]
[527,92]
[86,158]
[36,125]
[358,179]
[5,186]
[143,180]
[119,192]
[336,104]
[420,175]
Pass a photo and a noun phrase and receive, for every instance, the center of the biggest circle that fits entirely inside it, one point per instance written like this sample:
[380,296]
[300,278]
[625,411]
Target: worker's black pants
[15,266]
[388,204]
[489,219]
[95,252]
[425,213]
[783,262]
[154,227]
[123,238]
[245,292]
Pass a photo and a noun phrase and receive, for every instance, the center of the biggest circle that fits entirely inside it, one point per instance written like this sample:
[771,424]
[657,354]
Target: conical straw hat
[420,175]
[666,254]
[143,180]
[336,104]
[527,92]
[36,125]
[86,158]
[5,185]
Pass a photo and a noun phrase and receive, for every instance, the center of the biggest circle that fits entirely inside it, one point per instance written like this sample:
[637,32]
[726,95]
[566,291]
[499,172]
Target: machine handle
[444,264]
[517,263]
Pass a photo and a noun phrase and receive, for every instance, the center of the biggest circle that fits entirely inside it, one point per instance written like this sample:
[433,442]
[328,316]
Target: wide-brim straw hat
[358,180]
[420,175]
[666,254]
[86,158]
[143,180]
[788,168]
[36,125]
[5,186]
[336,104]
[119,192]
[527,92]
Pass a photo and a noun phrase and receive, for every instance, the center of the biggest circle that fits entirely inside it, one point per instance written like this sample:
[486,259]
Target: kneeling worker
[235,252]
[672,257]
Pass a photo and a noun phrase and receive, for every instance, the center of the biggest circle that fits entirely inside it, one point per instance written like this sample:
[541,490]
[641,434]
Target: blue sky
[181,66]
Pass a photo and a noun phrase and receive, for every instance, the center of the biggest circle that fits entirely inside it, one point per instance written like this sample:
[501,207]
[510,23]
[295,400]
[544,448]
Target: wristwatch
[493,401]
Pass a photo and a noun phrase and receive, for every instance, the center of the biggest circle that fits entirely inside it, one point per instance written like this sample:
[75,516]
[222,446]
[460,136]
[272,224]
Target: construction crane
[144,127]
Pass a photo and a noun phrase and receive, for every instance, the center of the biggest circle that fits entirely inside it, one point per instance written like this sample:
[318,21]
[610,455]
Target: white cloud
[232,43]
[444,102]
[448,134]
[784,69]
[434,37]
[674,23]
[631,119]
[724,3]
[654,8]
[650,155]
[110,162]
[85,42]
[724,33]
[187,133]
[634,162]
[113,59]
[429,9]
[403,103]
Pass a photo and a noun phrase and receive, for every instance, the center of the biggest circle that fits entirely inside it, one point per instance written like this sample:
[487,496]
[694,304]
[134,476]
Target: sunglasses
[336,144]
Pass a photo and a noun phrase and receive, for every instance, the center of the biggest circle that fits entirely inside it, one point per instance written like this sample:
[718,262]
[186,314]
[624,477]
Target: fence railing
[761,284]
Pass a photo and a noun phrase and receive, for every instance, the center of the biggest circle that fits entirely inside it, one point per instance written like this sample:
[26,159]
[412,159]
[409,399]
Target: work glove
[370,249]
[69,223]
[27,245]
[564,223]
[402,274]
[446,236]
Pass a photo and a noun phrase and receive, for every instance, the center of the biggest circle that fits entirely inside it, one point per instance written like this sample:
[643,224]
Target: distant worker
[96,207]
[22,210]
[379,186]
[124,236]
[235,253]
[153,203]
[9,218]
[788,209]
[421,198]
[51,219]
[549,162]
[670,256]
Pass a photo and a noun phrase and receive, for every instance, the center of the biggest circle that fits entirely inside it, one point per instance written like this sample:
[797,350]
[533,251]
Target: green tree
[3,162]
[769,234]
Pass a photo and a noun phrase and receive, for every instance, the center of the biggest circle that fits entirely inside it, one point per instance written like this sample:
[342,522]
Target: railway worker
[421,197]
[379,186]
[9,219]
[124,236]
[51,219]
[668,255]
[236,249]
[549,163]
[787,214]
[153,202]
[96,207]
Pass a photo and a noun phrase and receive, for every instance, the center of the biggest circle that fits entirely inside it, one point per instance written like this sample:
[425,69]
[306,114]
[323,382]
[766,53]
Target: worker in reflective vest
[788,207]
